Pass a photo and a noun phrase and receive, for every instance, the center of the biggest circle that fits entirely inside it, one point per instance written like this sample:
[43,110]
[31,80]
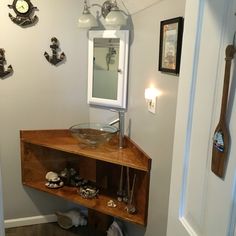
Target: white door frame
[187,84]
[2,227]
[191,86]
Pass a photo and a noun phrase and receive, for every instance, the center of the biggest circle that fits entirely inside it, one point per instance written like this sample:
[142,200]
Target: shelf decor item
[54,59]
[53,180]
[24,10]
[3,72]
[171,32]
[71,218]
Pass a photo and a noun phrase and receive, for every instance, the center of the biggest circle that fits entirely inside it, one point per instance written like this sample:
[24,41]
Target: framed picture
[171,33]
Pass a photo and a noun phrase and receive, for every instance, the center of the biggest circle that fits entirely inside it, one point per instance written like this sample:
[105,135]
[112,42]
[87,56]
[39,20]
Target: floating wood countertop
[131,156]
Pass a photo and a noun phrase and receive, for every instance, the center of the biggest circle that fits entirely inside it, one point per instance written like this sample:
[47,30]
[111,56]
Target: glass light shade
[151,93]
[87,21]
[115,19]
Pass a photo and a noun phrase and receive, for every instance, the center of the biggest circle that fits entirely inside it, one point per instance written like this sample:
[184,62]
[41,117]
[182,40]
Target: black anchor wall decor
[4,72]
[54,59]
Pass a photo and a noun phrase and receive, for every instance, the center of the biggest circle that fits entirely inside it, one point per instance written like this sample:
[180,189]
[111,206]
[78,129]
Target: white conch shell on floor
[114,230]
[71,218]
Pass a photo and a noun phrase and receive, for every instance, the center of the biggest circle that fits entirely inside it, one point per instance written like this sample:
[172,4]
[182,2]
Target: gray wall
[154,133]
[39,95]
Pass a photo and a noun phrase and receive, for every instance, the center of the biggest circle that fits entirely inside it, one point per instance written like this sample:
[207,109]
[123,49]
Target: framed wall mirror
[108,68]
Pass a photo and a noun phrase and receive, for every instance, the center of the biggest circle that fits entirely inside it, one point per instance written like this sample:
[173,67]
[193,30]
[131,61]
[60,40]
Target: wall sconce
[150,96]
[109,10]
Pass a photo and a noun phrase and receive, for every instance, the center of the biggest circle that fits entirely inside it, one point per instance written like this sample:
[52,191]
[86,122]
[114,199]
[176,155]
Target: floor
[51,229]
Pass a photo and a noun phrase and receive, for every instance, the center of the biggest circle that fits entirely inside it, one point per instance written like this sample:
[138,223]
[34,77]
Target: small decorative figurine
[54,59]
[4,72]
[88,191]
[70,177]
[24,10]
[111,204]
[53,180]
[71,218]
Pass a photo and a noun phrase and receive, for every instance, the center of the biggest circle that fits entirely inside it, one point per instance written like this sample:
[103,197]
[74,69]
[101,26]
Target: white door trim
[187,84]
[2,228]
[232,223]
[196,100]
[192,90]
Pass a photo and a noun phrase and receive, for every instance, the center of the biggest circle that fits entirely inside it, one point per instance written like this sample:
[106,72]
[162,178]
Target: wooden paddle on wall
[221,135]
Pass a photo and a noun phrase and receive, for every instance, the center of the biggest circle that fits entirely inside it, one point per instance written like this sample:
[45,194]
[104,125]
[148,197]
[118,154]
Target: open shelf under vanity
[53,150]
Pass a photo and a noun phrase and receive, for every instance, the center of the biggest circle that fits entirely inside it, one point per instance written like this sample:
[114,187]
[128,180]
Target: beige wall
[39,95]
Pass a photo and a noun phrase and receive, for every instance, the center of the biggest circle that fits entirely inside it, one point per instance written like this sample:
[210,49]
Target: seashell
[54,185]
[51,175]
[55,179]
[71,218]
[111,203]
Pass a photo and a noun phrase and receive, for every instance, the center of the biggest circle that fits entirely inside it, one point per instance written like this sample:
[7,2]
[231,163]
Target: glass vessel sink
[93,134]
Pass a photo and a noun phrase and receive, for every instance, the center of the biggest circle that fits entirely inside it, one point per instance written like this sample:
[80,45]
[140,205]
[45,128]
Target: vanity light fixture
[87,20]
[113,16]
[150,96]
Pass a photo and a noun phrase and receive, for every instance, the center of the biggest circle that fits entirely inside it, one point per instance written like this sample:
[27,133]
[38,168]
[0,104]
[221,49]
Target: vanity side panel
[143,194]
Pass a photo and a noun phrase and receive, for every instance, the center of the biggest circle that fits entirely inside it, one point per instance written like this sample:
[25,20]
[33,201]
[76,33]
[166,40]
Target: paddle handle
[229,53]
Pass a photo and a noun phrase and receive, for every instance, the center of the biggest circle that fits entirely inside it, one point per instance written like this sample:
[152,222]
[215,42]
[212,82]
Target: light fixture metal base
[106,8]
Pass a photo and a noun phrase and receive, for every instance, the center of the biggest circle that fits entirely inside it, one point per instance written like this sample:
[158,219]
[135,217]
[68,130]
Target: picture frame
[171,33]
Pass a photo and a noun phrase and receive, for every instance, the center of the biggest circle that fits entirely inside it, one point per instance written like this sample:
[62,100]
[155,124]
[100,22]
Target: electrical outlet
[152,105]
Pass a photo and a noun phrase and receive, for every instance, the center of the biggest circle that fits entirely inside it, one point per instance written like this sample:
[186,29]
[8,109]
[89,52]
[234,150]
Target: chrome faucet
[121,121]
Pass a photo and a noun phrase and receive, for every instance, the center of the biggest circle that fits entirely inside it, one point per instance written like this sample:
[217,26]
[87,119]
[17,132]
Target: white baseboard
[29,221]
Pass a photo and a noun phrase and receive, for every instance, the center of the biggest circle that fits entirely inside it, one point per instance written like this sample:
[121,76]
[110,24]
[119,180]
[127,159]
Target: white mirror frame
[121,101]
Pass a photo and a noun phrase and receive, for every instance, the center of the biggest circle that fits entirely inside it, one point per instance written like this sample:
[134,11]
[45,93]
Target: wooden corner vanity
[53,150]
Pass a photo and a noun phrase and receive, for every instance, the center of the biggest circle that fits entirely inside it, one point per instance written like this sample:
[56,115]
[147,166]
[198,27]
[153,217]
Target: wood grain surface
[53,150]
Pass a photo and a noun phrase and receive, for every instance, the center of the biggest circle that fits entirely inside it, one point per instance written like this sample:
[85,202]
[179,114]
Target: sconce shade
[151,93]
[115,18]
[87,21]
